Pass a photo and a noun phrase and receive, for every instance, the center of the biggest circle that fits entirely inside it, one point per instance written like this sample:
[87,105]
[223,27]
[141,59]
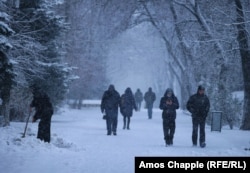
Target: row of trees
[206,43]
[212,45]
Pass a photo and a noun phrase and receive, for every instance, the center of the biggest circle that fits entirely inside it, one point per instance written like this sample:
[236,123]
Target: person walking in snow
[110,104]
[127,105]
[149,98]
[44,112]
[138,99]
[199,105]
[169,103]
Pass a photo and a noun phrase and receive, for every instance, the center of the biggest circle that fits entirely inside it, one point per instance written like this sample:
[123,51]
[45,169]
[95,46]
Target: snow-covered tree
[6,70]
[243,39]
[38,52]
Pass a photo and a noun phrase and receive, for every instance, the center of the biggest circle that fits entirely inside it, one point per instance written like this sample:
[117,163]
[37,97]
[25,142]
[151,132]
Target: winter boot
[203,145]
[124,124]
[171,142]
[167,140]
[128,126]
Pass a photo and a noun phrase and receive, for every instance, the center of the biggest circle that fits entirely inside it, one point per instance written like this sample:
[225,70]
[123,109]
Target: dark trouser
[125,122]
[198,123]
[44,130]
[168,130]
[138,105]
[150,110]
[112,120]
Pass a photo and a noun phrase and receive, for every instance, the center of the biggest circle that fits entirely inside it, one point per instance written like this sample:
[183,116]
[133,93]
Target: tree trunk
[245,60]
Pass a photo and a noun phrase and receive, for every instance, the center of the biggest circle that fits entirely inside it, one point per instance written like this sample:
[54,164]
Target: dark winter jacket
[127,103]
[198,105]
[42,104]
[169,110]
[110,100]
[138,96]
[149,97]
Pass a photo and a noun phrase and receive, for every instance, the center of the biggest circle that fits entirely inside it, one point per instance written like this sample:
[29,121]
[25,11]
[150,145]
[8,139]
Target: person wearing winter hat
[198,104]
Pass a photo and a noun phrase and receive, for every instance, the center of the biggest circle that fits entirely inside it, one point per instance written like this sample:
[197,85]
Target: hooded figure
[199,105]
[127,105]
[109,104]
[169,103]
[44,112]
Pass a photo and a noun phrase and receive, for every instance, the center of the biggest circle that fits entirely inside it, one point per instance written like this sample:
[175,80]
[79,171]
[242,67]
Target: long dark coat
[149,98]
[127,103]
[110,104]
[44,112]
[110,101]
[138,96]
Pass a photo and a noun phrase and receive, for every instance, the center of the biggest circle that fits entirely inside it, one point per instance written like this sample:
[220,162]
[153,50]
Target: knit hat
[200,87]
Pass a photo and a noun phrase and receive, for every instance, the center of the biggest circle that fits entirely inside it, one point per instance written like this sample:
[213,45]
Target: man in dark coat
[44,112]
[149,98]
[199,105]
[138,99]
[169,103]
[110,104]
[127,105]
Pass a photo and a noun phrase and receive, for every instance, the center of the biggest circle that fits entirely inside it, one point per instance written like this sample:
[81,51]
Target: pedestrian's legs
[165,131]
[139,106]
[150,112]
[195,131]
[124,122]
[109,122]
[202,133]
[40,130]
[128,122]
[114,124]
[172,131]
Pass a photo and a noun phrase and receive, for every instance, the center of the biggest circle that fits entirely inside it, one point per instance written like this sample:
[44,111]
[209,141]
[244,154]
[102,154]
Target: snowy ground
[80,144]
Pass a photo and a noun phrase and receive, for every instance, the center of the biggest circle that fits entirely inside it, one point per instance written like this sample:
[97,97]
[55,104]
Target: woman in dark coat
[169,103]
[127,105]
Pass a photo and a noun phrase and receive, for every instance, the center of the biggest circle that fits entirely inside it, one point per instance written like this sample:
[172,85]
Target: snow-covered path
[80,144]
